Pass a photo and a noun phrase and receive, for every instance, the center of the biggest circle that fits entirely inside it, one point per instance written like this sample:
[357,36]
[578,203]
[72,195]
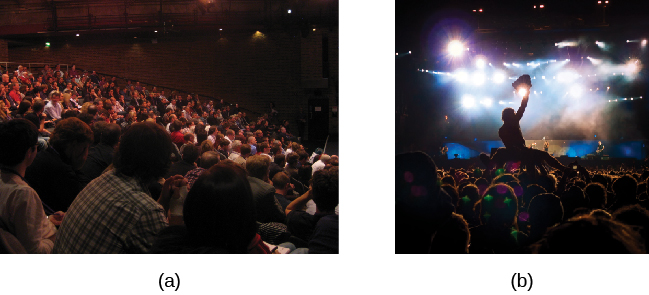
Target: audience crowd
[93,166]
[514,210]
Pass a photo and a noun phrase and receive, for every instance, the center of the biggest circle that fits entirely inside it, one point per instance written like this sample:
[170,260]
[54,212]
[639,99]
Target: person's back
[21,211]
[116,213]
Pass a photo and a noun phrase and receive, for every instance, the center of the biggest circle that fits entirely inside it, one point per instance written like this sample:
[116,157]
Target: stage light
[627,41]
[501,102]
[599,2]
[478,78]
[455,48]
[289,11]
[461,76]
[486,101]
[576,91]
[77,35]
[522,91]
[499,78]
[480,10]
[541,6]
[534,91]
[543,77]
[535,6]
[644,42]
[47,44]
[409,52]
[468,101]
[480,63]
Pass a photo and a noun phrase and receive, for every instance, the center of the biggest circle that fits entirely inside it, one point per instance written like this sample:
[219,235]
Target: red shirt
[15,95]
[178,138]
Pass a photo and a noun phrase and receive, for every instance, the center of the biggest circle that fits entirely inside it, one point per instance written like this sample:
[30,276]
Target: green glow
[466,199]
[488,198]
[515,234]
[500,171]
[47,43]
[508,201]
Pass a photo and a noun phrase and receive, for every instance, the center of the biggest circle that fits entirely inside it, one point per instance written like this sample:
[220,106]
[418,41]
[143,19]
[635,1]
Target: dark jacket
[267,208]
[56,183]
[180,168]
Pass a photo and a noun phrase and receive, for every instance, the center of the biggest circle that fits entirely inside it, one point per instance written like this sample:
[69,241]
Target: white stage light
[468,101]
[455,48]
[644,42]
[499,78]
[501,102]
[576,91]
[486,101]
[567,76]
[461,76]
[478,78]
[543,77]
[480,63]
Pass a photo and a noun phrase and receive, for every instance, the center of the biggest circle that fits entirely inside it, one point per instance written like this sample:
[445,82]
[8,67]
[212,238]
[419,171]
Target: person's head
[292,159]
[596,195]
[18,142]
[209,159]
[252,140]
[258,166]
[280,160]
[625,188]
[219,209]
[144,152]
[24,106]
[499,206]
[245,150]
[189,138]
[281,181]
[587,234]
[636,217]
[545,210]
[191,153]
[236,146]
[453,237]
[110,134]
[71,139]
[263,148]
[230,134]
[325,190]
[508,115]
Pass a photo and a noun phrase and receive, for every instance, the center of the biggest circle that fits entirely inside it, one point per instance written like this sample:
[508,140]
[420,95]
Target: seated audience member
[100,156]
[207,160]
[187,163]
[55,174]
[279,161]
[219,217]
[116,213]
[283,186]
[236,150]
[54,108]
[499,233]
[267,207]
[21,211]
[245,153]
[320,164]
[545,211]
[572,200]
[453,237]
[321,230]
[590,235]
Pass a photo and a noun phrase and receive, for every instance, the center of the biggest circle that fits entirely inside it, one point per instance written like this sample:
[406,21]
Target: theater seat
[9,244]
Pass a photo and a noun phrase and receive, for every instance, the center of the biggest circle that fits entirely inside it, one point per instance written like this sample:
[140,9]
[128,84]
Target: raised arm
[521,109]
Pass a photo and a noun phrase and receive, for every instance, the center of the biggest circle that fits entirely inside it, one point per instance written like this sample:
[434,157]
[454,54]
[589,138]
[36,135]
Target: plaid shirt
[113,214]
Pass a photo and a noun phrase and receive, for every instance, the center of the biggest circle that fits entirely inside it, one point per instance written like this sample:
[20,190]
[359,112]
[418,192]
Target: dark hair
[190,153]
[325,189]
[70,131]
[292,158]
[97,129]
[219,209]
[246,149]
[110,134]
[280,160]
[498,206]
[38,105]
[144,152]
[86,118]
[24,106]
[453,237]
[16,138]
[596,195]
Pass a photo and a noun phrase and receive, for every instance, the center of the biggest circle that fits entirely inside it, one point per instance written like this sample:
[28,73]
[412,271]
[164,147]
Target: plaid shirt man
[113,214]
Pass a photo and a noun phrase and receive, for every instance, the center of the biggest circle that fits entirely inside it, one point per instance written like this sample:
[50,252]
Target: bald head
[325,158]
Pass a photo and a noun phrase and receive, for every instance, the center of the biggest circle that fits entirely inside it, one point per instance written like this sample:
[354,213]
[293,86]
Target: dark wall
[252,69]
